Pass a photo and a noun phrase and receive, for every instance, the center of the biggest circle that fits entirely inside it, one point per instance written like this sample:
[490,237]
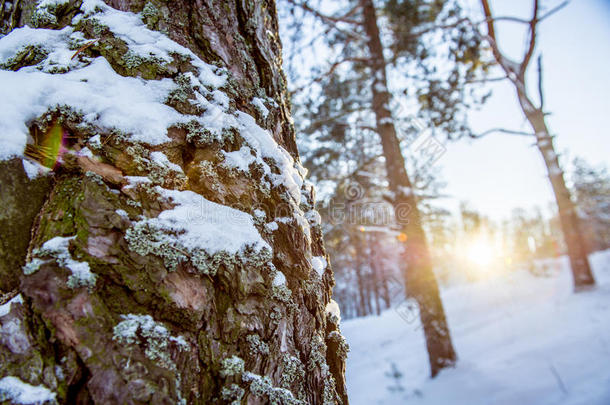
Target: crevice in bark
[202,44]
[21,199]
[248,32]
[37,219]
[78,392]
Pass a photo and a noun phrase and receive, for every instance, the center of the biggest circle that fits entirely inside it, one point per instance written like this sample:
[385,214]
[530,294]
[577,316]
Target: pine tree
[349,112]
[159,242]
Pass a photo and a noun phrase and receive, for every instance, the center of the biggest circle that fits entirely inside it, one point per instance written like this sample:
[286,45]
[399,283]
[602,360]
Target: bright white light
[480,253]
[531,243]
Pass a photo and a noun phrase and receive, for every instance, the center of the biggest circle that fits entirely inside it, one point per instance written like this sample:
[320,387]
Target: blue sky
[501,172]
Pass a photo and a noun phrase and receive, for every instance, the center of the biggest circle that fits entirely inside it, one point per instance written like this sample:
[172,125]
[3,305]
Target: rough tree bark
[420,280]
[516,73]
[105,307]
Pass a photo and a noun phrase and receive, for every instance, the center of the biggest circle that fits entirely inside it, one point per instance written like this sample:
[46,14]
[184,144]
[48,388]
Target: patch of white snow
[15,390]
[319,264]
[6,307]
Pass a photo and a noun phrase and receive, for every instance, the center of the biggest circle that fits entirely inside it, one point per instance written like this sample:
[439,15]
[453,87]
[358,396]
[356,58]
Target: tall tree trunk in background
[420,280]
[362,309]
[386,291]
[375,283]
[570,222]
[368,288]
[375,273]
[176,286]
[361,292]
[516,73]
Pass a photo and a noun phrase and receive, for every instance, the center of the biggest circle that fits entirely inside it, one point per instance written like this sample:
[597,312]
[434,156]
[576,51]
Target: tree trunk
[420,280]
[361,308]
[361,294]
[154,270]
[376,294]
[386,291]
[375,275]
[570,222]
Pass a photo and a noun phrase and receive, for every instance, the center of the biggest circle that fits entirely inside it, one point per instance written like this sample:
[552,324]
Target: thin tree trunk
[375,278]
[369,277]
[570,222]
[361,293]
[386,291]
[362,308]
[420,280]
[516,72]
[376,293]
[369,295]
[116,305]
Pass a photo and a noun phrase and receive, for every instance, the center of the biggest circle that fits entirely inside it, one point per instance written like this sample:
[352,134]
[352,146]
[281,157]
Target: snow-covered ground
[520,340]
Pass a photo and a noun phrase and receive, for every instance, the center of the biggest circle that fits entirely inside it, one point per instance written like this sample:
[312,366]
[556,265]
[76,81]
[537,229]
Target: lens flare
[53,146]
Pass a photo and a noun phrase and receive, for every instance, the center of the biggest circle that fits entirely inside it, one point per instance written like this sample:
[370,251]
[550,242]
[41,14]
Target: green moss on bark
[21,199]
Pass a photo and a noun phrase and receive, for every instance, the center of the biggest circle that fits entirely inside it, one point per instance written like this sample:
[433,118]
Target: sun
[480,252]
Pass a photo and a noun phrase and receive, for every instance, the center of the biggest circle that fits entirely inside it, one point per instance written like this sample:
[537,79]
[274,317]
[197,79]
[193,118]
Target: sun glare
[480,252]
[481,255]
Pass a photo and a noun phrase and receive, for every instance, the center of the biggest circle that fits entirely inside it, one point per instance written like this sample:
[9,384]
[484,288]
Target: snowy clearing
[520,340]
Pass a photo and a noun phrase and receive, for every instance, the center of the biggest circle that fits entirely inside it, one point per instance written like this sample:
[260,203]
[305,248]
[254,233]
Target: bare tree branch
[532,40]
[554,10]
[487,80]
[486,20]
[491,38]
[491,30]
[501,130]
[533,23]
[540,92]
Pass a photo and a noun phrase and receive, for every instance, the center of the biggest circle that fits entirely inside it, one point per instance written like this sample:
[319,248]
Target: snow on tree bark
[145,266]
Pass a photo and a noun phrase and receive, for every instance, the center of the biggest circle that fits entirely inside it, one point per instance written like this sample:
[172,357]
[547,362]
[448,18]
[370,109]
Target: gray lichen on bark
[154,327]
